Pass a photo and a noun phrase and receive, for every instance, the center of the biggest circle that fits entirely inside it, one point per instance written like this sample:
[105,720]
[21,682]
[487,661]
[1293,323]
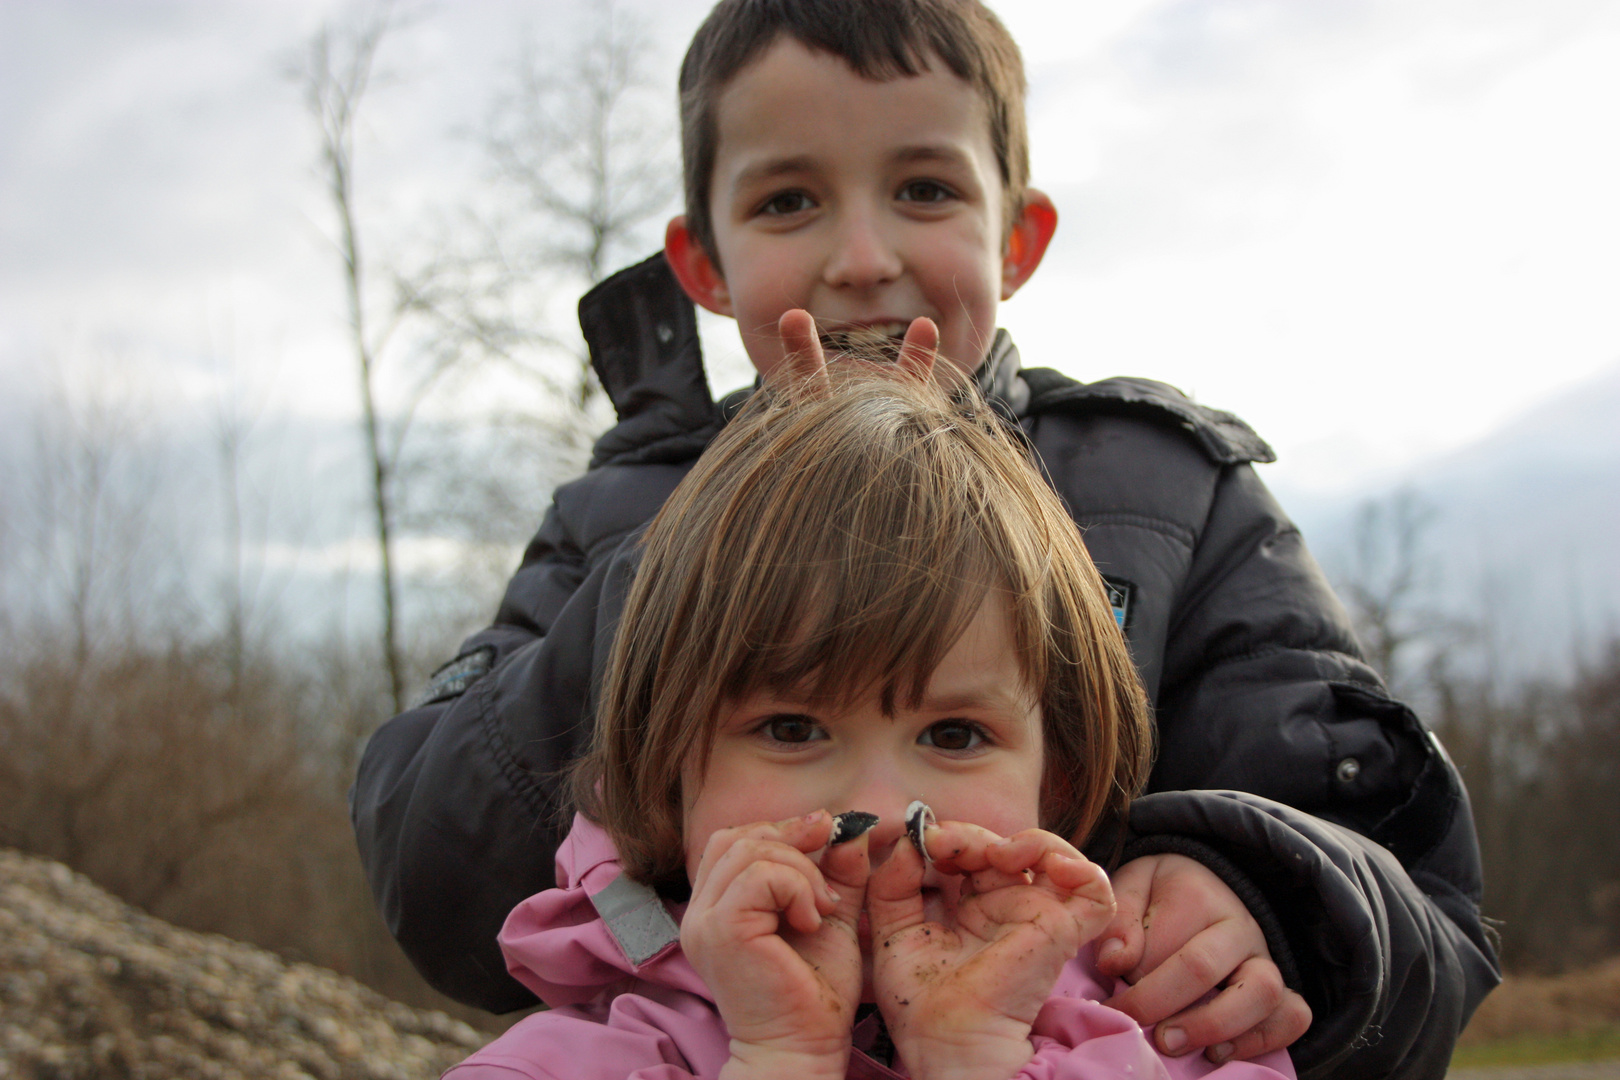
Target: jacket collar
[999,380]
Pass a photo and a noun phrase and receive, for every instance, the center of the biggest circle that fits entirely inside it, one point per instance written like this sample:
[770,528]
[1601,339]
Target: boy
[857,173]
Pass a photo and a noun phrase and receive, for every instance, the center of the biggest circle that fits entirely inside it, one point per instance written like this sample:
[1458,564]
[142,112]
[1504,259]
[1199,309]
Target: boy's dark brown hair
[879,39]
[836,542]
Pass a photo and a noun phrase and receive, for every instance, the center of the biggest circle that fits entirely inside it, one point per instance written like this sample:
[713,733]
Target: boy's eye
[791,728]
[925,191]
[952,735]
[785,202]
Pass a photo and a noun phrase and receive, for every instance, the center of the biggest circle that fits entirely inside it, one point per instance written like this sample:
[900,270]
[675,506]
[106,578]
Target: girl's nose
[862,257]
[889,803]
[890,830]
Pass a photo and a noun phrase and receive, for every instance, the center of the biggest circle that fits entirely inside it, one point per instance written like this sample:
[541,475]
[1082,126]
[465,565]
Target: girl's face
[971,749]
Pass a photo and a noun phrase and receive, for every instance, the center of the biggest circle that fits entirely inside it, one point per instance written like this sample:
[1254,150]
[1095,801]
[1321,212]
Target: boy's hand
[801,345]
[774,938]
[960,987]
[1180,933]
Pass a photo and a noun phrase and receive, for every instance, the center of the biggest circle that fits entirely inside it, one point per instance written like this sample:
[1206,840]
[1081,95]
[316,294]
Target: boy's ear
[1026,241]
[694,269]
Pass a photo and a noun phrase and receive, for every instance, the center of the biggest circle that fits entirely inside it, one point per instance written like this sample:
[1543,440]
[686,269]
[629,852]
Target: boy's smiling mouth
[872,341]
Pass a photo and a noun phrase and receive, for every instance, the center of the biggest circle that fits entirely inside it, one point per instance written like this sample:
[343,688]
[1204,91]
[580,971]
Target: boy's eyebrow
[772,167]
[803,163]
[950,155]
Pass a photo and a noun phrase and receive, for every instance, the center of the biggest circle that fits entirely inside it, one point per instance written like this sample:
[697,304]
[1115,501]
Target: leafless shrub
[155,742]
[1542,765]
[1540,757]
[196,795]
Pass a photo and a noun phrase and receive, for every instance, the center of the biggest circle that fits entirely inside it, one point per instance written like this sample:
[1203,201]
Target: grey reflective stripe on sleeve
[453,678]
[637,919]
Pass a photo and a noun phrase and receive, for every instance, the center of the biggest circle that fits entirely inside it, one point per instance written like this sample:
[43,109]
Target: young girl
[862,597]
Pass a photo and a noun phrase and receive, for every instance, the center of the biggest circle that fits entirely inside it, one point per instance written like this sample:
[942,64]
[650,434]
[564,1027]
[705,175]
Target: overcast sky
[1376,229]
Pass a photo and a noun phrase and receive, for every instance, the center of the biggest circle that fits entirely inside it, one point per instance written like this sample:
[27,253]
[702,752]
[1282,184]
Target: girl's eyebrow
[997,698]
[769,703]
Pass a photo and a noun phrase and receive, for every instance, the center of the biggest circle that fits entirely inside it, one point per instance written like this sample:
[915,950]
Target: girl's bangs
[852,564]
[821,642]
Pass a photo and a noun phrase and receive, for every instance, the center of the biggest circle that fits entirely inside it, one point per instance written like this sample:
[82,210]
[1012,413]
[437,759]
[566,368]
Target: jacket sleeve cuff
[1322,888]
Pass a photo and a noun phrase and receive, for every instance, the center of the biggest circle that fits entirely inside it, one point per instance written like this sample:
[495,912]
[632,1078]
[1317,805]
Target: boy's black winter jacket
[1283,764]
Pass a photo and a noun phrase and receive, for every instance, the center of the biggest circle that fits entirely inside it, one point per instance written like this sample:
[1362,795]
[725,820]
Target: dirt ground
[1574,1070]
[1578,1003]
[1572,1004]
[90,987]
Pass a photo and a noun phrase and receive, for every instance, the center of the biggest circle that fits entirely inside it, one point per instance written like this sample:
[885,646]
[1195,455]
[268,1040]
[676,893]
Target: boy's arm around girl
[1353,845]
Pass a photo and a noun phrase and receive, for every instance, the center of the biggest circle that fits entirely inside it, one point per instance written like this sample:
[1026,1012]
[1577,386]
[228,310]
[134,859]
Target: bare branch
[336,73]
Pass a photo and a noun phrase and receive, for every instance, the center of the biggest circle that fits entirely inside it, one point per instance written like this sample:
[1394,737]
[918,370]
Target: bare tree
[1390,572]
[583,143]
[581,151]
[231,429]
[91,549]
[583,148]
[146,738]
[335,73]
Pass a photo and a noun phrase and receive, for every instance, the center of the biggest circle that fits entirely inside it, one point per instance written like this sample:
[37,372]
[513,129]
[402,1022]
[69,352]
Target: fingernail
[1172,1039]
[1220,1052]
[1110,950]
[835,897]
[811,816]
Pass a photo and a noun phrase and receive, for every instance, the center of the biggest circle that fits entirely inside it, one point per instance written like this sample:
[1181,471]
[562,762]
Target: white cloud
[1389,221]
[1375,224]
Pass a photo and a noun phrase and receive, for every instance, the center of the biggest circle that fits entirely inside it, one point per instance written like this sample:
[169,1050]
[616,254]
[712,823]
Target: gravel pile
[90,987]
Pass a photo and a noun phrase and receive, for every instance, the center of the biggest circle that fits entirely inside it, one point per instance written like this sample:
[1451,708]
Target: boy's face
[866,203]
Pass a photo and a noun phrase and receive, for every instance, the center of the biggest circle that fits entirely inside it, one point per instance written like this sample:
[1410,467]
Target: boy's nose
[862,255]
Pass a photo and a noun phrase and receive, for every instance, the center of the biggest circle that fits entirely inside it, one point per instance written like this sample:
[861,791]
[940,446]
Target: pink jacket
[604,954]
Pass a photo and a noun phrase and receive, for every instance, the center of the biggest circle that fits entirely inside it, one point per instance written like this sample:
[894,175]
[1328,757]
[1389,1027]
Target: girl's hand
[960,995]
[774,938]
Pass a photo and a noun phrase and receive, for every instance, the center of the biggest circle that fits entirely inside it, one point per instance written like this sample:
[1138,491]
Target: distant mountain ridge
[1527,525]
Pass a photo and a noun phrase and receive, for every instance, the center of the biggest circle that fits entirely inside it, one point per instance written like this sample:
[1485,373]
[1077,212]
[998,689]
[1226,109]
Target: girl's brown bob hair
[836,539]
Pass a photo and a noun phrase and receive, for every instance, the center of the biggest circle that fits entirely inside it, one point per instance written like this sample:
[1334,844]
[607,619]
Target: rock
[90,987]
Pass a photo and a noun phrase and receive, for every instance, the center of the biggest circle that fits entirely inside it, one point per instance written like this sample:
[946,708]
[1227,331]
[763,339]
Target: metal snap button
[1348,770]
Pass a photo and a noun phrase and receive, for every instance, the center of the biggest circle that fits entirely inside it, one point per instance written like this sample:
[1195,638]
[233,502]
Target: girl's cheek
[694,858]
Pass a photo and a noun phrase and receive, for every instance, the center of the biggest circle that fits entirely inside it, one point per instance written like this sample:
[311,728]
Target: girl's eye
[791,728]
[953,735]
[784,203]
[925,191]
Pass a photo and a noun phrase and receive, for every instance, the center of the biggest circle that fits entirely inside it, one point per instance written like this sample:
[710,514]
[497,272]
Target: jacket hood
[559,945]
